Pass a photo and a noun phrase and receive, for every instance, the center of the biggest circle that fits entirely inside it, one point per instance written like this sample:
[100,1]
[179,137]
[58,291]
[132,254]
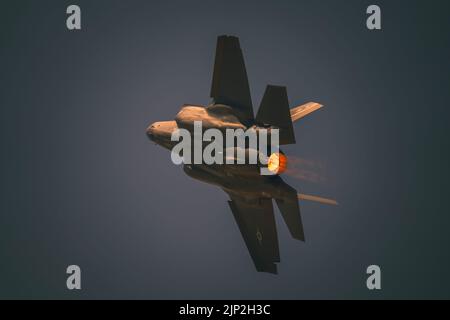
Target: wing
[257,225]
[230,83]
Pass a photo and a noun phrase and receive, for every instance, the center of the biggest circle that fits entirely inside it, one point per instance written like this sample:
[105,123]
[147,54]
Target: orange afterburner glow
[277,163]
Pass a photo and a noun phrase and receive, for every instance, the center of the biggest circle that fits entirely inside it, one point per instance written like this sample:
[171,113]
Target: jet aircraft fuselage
[250,192]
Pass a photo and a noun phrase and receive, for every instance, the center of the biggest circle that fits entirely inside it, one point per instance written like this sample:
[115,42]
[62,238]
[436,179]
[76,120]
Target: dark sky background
[81,183]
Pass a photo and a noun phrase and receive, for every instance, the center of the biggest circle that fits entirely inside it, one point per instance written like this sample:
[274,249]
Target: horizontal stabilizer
[274,111]
[290,210]
[303,110]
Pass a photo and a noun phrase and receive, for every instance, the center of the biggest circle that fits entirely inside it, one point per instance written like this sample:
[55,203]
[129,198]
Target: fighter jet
[250,192]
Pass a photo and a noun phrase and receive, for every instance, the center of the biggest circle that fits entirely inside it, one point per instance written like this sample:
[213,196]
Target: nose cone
[160,132]
[150,131]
